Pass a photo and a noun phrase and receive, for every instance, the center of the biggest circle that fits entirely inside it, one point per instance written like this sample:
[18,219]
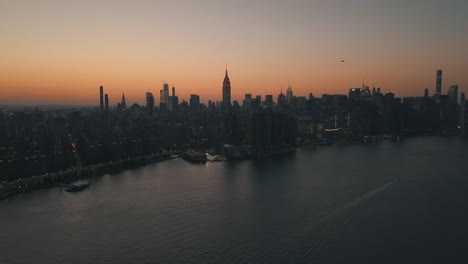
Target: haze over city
[59,52]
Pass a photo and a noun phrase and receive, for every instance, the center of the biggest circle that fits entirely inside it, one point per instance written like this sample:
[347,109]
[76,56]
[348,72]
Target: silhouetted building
[269,101]
[101,97]
[149,102]
[247,101]
[354,94]
[174,101]
[452,93]
[289,96]
[259,98]
[123,103]
[438,85]
[226,92]
[106,97]
[462,111]
[426,93]
[281,99]
[194,103]
[164,98]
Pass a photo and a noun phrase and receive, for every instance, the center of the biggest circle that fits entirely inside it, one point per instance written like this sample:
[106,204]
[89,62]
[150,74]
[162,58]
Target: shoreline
[48,180]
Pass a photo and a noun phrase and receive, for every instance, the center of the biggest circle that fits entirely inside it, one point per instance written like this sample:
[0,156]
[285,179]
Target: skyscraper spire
[123,103]
[226,76]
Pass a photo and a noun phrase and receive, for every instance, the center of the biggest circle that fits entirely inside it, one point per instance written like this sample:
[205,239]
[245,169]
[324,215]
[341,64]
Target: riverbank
[49,179]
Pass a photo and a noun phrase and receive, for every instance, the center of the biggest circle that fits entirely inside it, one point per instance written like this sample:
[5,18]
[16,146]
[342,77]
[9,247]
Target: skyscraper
[149,102]
[174,101]
[452,93]
[281,99]
[462,111]
[289,95]
[226,91]
[164,99]
[438,84]
[194,103]
[426,93]
[354,94]
[107,102]
[123,103]
[101,97]
[269,101]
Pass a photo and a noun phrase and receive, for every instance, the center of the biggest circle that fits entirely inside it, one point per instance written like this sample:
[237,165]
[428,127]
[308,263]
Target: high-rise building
[452,93]
[194,103]
[106,97]
[281,99]
[438,84]
[101,97]
[226,91]
[269,101]
[174,101]
[426,93]
[149,102]
[123,103]
[462,110]
[289,95]
[247,101]
[354,94]
[164,99]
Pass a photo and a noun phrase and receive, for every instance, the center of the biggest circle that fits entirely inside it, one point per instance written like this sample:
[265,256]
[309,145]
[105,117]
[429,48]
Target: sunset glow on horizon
[60,52]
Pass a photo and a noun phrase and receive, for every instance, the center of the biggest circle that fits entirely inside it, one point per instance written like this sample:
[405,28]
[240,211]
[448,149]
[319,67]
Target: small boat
[194,156]
[77,188]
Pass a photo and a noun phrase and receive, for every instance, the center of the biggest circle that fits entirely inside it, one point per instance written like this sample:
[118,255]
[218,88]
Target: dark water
[403,202]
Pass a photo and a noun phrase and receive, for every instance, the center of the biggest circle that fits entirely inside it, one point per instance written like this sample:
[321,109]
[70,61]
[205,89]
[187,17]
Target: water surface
[403,202]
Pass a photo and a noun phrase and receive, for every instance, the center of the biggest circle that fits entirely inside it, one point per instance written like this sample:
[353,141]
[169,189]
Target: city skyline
[438,90]
[57,53]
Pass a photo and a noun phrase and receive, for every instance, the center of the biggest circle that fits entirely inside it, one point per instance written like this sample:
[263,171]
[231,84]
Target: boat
[194,156]
[77,188]
[214,158]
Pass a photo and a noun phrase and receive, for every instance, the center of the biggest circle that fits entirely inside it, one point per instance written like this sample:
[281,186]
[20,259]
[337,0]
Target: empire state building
[226,91]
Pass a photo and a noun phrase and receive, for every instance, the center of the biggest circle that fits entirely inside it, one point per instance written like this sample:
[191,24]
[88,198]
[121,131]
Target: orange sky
[61,51]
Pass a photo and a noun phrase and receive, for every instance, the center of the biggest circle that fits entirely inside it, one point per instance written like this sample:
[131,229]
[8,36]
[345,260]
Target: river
[388,202]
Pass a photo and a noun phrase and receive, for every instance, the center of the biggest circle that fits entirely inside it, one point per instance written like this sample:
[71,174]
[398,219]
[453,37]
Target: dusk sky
[59,52]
